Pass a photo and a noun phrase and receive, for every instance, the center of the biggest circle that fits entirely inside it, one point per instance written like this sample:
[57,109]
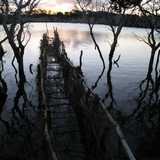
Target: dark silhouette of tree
[124,4]
[149,87]
[17,32]
[3,91]
[111,7]
[3,84]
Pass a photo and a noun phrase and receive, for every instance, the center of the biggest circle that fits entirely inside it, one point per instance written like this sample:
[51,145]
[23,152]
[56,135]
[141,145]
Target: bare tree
[15,28]
[149,87]
[116,7]
[3,91]
[151,10]
[86,6]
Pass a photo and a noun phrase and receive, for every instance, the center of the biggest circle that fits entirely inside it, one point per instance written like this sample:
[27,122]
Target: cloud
[57,5]
[64,1]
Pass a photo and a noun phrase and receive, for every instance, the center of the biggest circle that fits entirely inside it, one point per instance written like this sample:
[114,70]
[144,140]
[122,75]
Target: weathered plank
[62,121]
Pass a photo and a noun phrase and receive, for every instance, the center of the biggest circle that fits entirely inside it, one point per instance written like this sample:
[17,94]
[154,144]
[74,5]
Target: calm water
[125,79]
[133,66]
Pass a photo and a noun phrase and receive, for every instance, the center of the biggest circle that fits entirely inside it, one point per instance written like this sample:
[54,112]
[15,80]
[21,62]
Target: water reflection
[76,37]
[19,126]
[149,87]
[148,98]
[132,65]
[109,96]
[3,90]
[19,129]
[3,85]
[145,118]
[95,85]
[144,122]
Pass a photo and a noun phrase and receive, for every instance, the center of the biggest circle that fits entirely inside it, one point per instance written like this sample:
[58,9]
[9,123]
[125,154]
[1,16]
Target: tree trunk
[150,69]
[22,76]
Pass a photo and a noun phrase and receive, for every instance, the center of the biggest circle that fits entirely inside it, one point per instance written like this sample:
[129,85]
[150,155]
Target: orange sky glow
[57,5]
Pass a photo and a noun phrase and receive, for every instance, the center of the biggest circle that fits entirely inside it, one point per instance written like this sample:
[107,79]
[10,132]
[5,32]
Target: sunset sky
[57,5]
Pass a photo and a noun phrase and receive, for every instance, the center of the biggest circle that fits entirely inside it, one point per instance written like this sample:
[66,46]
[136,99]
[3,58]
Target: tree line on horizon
[17,35]
[101,17]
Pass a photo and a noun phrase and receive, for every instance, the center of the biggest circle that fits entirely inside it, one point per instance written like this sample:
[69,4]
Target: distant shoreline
[131,21]
[81,21]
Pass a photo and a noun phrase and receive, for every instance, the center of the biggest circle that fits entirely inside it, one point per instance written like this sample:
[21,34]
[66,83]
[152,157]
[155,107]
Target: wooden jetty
[77,124]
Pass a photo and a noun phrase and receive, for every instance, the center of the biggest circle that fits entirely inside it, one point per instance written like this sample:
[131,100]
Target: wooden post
[80,60]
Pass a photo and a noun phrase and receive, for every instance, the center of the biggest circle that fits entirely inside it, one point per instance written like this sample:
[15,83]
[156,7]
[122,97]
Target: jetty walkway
[76,123]
[62,120]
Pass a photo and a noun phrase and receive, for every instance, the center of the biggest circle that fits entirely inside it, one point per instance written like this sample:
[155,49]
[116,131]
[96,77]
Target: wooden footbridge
[77,125]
